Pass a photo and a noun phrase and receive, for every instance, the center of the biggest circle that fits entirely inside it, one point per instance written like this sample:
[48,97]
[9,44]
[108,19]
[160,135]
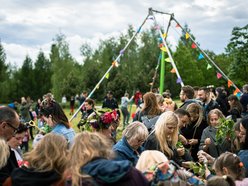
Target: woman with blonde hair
[165,135]
[91,164]
[4,151]
[150,107]
[130,146]
[45,164]
[193,131]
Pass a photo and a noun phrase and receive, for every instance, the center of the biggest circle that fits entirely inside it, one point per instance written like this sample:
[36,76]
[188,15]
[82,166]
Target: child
[208,138]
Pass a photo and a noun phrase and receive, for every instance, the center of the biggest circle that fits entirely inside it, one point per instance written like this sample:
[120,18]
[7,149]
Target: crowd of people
[162,145]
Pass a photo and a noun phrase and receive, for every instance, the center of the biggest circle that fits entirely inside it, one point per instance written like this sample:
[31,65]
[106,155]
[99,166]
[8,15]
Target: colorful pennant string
[163,49]
[236,91]
[229,83]
[219,75]
[200,56]
[122,51]
[168,60]
[107,76]
[164,35]
[173,70]
[160,45]
[187,35]
[209,66]
[178,26]
[193,45]
[179,80]
[115,64]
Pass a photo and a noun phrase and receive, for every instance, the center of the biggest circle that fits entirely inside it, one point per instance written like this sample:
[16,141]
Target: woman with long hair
[165,135]
[150,107]
[193,131]
[235,107]
[55,117]
[91,164]
[45,164]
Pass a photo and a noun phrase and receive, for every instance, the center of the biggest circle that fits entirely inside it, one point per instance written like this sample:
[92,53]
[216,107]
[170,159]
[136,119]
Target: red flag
[178,26]
[219,75]
[193,45]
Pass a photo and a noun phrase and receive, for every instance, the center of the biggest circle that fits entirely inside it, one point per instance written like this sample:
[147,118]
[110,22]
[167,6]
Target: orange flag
[229,83]
[236,91]
[173,70]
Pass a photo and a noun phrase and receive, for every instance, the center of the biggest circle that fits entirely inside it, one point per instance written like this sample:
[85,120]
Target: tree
[238,51]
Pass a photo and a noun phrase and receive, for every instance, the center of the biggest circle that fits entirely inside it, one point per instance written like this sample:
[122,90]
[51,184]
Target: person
[236,108]
[244,100]
[91,163]
[64,101]
[72,104]
[193,131]
[203,94]
[124,109]
[4,151]
[221,180]
[46,164]
[25,113]
[137,97]
[9,123]
[230,164]
[89,106]
[109,101]
[55,117]
[187,96]
[150,110]
[164,137]
[16,141]
[243,153]
[184,120]
[104,121]
[208,138]
[160,171]
[160,101]
[221,98]
[130,146]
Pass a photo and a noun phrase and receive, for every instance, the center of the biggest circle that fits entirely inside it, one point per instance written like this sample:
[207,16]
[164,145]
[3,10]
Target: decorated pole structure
[179,79]
[162,73]
[114,63]
[201,56]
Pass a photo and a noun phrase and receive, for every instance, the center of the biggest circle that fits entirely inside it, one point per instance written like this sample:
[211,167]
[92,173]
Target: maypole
[115,63]
[179,79]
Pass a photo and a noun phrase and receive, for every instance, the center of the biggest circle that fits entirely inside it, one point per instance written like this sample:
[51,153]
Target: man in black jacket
[110,101]
[9,123]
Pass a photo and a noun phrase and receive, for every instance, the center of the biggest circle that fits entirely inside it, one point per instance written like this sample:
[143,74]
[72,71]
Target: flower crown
[101,119]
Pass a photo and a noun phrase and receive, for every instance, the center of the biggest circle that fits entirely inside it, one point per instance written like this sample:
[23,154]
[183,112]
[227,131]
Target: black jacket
[9,167]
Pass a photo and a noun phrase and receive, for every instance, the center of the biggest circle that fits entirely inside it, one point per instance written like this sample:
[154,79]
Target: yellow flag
[187,35]
[107,76]
[168,60]
[163,49]
[164,35]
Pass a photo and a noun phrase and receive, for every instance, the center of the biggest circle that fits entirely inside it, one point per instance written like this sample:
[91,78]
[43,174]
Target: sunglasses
[11,126]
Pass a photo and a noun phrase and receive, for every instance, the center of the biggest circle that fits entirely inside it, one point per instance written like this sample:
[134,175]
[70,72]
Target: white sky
[26,26]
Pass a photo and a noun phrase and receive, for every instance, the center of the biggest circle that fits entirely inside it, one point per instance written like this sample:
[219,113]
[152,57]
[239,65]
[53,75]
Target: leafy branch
[225,130]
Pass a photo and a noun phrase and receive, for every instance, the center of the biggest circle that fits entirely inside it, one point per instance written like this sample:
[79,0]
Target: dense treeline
[63,75]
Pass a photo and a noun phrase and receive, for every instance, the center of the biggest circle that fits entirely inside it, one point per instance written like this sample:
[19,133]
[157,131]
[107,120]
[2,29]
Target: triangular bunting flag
[160,45]
[163,49]
[219,75]
[115,64]
[187,35]
[97,86]
[193,45]
[151,84]
[168,60]
[178,26]
[107,76]
[236,91]
[238,94]
[200,56]
[164,35]
[179,80]
[229,83]
[209,66]
[173,70]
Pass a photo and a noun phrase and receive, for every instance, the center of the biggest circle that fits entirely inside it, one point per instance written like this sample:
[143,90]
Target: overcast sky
[26,26]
